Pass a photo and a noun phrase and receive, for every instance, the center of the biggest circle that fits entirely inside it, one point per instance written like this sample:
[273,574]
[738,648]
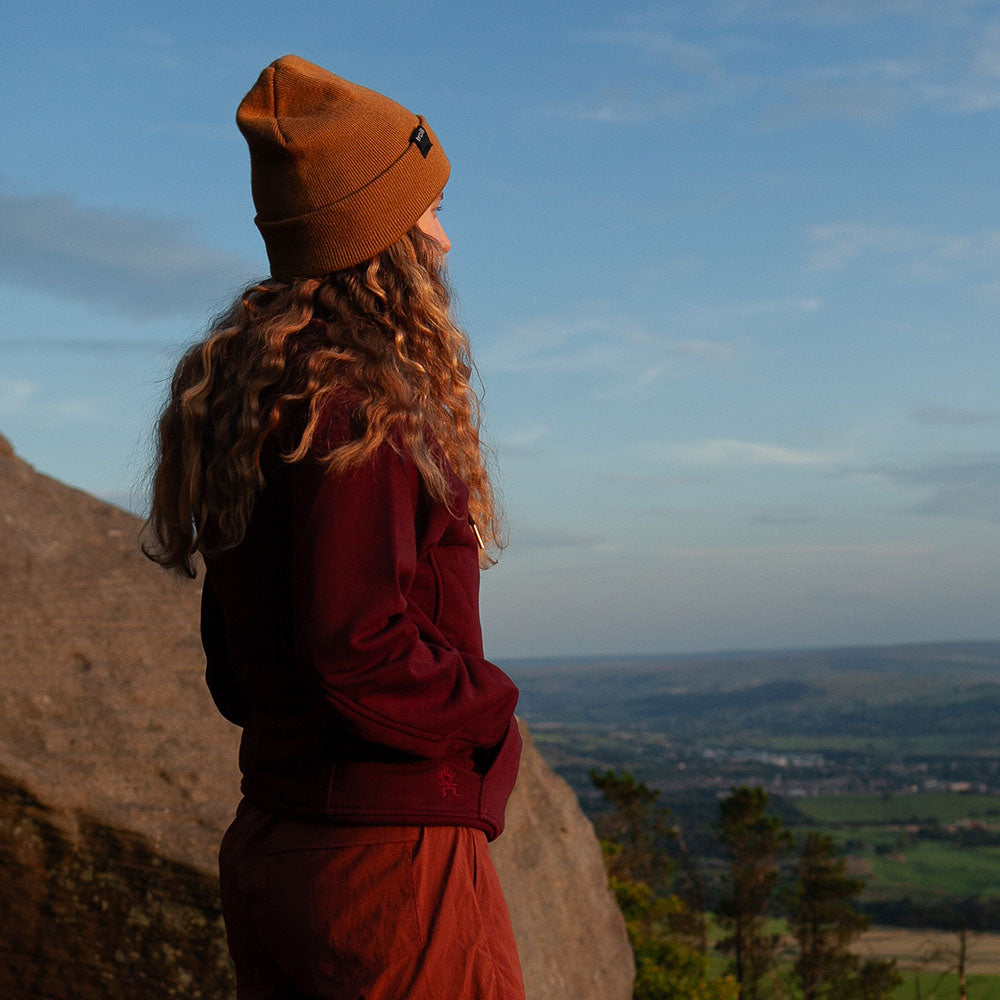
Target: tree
[664,931]
[637,830]
[667,967]
[955,962]
[753,842]
[875,979]
[823,920]
[825,925]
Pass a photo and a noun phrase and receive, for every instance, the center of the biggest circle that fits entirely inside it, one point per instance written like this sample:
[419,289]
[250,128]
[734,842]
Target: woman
[320,450]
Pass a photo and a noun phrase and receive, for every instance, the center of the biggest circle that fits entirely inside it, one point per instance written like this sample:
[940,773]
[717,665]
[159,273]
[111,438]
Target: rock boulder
[117,778]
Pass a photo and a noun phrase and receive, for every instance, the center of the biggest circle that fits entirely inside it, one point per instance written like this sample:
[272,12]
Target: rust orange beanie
[339,172]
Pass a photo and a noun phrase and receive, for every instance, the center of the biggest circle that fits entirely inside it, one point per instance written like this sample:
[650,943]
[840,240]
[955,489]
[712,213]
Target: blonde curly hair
[379,333]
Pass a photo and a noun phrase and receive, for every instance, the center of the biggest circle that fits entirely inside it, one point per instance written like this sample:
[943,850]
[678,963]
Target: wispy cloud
[932,13]
[916,252]
[873,92]
[944,58]
[623,106]
[15,394]
[698,60]
[838,243]
[122,261]
[684,78]
[152,38]
[595,340]
[525,443]
[950,416]
[84,345]
[956,486]
[822,11]
[153,49]
[704,350]
[784,516]
[874,550]
[26,400]
[949,62]
[734,452]
[810,12]
[865,94]
[534,537]
[607,356]
[735,314]
[629,357]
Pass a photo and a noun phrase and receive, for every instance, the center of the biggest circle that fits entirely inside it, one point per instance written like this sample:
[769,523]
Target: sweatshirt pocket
[438,608]
[456,574]
[426,592]
[500,777]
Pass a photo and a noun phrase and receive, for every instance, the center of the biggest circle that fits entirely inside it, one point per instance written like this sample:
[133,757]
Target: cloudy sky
[731,269]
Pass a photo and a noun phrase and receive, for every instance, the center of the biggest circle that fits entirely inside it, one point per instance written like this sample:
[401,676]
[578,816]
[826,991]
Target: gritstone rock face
[118,777]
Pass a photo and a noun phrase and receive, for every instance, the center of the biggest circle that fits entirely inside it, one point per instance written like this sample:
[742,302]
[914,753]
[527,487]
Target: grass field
[925,957]
[943,807]
[894,861]
[932,951]
[932,986]
[938,869]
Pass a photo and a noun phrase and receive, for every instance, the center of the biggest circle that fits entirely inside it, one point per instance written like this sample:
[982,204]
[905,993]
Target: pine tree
[637,829]
[876,979]
[825,925]
[822,918]
[754,842]
[665,932]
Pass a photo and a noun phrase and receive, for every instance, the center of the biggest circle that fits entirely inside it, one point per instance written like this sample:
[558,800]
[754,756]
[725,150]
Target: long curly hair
[380,334]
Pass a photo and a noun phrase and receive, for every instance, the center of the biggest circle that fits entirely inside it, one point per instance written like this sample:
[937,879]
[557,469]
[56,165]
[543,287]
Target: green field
[893,751]
[926,960]
[918,807]
[906,845]
[934,986]
[936,869]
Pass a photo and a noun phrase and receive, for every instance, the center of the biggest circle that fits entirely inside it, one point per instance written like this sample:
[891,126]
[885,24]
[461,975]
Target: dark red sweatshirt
[343,634]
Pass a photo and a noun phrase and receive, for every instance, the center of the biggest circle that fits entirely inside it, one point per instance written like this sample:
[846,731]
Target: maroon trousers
[320,912]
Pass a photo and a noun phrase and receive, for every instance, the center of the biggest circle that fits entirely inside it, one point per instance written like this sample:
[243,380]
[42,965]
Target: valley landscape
[893,751]
[893,720]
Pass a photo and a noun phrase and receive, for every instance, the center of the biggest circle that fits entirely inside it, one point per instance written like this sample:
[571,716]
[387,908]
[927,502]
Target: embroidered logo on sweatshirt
[447,776]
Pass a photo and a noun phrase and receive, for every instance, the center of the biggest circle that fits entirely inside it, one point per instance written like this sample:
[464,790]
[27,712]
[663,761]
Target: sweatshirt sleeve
[228,697]
[389,674]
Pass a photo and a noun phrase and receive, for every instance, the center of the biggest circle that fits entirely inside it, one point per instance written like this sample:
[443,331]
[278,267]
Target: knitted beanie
[339,173]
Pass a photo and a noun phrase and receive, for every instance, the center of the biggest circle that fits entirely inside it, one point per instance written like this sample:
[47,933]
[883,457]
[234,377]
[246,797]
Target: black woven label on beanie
[422,139]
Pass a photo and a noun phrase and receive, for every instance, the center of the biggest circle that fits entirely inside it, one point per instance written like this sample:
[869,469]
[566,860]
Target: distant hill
[893,750]
[861,720]
[857,689]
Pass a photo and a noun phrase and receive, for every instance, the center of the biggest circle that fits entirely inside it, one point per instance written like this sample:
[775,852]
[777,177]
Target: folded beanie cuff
[361,225]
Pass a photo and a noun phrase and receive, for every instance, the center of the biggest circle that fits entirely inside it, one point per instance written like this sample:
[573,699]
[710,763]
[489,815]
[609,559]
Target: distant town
[672,768]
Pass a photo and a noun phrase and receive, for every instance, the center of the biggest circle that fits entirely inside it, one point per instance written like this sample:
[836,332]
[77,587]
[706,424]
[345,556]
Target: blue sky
[731,271]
